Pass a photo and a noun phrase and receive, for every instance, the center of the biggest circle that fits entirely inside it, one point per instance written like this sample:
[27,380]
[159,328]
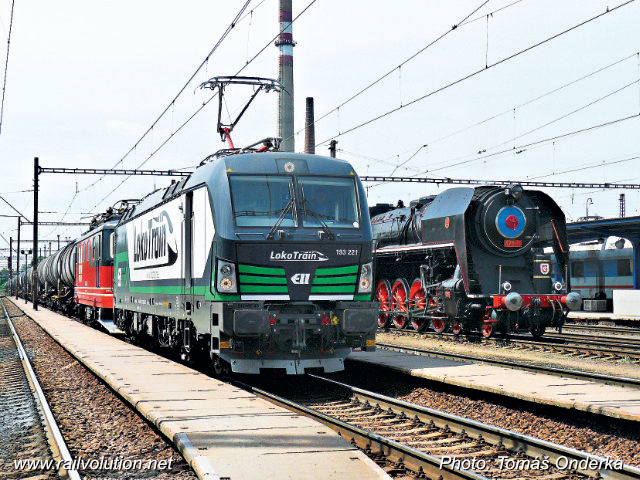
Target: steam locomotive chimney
[309,128]
[285,75]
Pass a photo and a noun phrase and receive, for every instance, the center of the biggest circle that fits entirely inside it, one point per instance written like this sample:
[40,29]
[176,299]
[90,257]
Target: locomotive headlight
[226,278]
[226,284]
[557,286]
[506,286]
[364,285]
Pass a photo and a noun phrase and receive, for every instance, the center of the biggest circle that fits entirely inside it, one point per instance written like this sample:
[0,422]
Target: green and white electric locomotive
[261,260]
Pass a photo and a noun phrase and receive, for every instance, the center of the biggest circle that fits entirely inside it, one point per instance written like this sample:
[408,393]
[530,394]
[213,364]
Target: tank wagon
[472,259]
[56,276]
[256,260]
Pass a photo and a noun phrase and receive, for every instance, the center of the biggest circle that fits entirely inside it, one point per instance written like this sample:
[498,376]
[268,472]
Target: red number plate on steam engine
[513,243]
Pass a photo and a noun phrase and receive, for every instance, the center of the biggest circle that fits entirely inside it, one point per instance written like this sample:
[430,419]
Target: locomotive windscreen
[329,200]
[260,200]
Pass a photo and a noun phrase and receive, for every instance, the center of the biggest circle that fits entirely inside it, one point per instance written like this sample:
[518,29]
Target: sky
[85,80]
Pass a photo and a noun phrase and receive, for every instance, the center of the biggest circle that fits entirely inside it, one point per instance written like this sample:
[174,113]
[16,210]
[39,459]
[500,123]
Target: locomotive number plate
[349,252]
[513,243]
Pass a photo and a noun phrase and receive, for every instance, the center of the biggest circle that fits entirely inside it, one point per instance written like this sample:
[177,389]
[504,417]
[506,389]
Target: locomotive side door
[187,247]
[97,249]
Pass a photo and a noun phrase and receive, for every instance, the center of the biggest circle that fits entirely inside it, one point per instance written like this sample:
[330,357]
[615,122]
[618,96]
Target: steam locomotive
[472,259]
[256,261]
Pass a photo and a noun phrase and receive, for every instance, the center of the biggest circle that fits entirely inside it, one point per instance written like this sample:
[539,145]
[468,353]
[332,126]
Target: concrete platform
[565,392]
[222,431]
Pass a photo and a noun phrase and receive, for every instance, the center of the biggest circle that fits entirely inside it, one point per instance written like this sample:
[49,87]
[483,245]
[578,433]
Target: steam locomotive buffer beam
[505,183]
[221,430]
[558,391]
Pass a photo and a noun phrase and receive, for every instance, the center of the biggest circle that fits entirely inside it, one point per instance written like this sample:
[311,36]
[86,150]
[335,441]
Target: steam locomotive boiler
[473,259]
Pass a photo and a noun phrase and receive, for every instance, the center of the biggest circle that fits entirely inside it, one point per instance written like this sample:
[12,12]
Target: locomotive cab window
[624,267]
[328,200]
[259,200]
[112,245]
[577,269]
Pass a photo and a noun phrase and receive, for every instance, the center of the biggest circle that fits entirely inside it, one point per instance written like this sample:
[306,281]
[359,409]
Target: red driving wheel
[383,295]
[438,324]
[399,295]
[456,327]
[417,301]
[487,329]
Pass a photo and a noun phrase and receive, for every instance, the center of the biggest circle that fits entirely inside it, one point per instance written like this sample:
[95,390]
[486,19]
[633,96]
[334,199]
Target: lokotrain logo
[296,256]
[154,243]
[301,278]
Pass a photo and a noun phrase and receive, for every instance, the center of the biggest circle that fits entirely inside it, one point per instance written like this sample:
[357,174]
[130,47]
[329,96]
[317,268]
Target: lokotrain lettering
[296,256]
[150,244]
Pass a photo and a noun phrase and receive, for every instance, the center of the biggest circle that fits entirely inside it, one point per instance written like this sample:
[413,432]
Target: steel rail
[513,441]
[607,341]
[41,399]
[600,349]
[634,332]
[595,377]
[411,458]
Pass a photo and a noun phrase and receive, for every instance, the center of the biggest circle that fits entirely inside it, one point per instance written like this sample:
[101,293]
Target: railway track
[585,346]
[606,340]
[632,332]
[410,439]
[564,372]
[28,427]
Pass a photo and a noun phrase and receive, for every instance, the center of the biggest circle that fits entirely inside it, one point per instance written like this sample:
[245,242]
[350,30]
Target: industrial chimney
[285,75]
[309,128]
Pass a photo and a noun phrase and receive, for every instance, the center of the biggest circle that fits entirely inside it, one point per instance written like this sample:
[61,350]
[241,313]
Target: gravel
[602,436]
[94,421]
[22,433]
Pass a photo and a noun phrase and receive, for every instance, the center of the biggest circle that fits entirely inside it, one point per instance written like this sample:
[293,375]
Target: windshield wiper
[289,206]
[316,215]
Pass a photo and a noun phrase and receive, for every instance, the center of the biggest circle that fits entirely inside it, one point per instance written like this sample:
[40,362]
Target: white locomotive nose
[513,301]
[573,301]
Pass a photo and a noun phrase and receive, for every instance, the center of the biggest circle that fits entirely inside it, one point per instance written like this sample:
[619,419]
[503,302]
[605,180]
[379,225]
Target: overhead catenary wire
[544,140]
[448,163]
[206,102]
[602,163]
[532,100]
[237,18]
[475,73]
[466,20]
[6,66]
[14,208]
[182,89]
[536,143]
[510,110]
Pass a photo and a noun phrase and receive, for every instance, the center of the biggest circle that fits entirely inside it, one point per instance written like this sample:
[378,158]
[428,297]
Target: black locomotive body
[473,259]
